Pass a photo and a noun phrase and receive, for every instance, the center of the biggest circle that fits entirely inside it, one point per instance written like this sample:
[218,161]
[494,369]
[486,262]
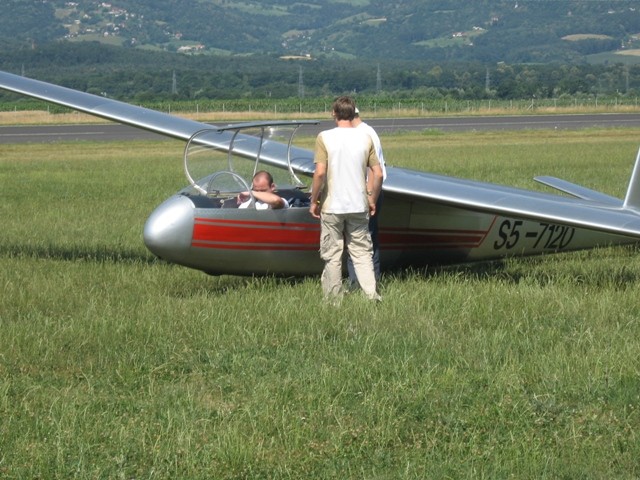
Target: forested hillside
[136,75]
[513,31]
[148,50]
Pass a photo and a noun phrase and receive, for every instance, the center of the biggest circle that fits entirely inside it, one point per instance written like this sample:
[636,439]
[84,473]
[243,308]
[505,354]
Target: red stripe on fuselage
[251,235]
[254,235]
[416,238]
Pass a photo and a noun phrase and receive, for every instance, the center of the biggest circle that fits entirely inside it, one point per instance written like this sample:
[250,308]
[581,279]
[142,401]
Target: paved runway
[114,131]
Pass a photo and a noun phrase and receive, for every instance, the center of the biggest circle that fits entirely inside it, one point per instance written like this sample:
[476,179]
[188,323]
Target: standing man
[373,220]
[341,200]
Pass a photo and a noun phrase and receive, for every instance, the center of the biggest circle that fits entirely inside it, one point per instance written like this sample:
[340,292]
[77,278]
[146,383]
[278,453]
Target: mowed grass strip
[116,365]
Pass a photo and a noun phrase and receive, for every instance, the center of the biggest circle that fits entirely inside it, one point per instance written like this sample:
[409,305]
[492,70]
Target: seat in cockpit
[296,197]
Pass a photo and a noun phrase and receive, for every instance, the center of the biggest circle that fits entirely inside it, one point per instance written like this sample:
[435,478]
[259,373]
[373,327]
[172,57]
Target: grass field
[116,365]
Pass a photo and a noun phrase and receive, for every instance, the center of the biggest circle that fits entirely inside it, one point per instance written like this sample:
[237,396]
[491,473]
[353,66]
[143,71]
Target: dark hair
[344,108]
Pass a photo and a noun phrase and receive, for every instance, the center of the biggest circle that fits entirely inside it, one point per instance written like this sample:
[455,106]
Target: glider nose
[169,228]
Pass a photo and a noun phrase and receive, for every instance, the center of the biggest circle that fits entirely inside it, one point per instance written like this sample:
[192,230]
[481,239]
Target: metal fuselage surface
[201,233]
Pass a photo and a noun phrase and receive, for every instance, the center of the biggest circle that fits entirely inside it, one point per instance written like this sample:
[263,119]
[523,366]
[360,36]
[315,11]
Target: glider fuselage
[205,234]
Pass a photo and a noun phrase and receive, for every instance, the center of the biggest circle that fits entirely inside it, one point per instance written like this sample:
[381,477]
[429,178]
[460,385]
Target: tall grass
[117,365]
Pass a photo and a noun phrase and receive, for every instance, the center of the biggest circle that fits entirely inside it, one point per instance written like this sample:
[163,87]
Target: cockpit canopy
[220,162]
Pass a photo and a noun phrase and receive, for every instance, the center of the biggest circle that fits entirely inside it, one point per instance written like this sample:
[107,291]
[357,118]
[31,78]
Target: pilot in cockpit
[263,189]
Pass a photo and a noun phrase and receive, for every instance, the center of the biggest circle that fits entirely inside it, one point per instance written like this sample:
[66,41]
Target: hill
[513,31]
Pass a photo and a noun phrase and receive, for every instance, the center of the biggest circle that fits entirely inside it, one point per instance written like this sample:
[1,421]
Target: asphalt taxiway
[115,131]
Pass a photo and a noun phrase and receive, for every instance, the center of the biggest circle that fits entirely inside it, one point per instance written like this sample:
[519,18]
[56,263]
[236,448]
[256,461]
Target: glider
[427,219]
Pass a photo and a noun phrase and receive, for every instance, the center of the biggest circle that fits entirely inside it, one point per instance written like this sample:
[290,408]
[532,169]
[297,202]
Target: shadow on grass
[591,269]
[234,284]
[476,271]
[94,253]
[588,268]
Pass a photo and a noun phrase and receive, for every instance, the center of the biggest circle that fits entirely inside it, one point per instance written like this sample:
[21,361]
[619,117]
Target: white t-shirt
[261,205]
[378,146]
[348,152]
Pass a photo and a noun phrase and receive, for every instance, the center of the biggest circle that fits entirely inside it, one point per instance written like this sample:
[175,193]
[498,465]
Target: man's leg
[373,231]
[331,248]
[360,250]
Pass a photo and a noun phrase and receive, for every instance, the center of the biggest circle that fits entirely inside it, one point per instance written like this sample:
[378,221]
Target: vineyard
[373,106]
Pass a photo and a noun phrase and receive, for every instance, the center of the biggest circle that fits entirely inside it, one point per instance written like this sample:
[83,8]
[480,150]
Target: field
[634,51]
[116,365]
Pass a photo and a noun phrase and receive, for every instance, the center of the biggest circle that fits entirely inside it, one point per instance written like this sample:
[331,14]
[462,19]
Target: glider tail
[632,200]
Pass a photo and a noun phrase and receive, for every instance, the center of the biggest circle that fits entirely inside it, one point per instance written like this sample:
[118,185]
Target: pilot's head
[263,182]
